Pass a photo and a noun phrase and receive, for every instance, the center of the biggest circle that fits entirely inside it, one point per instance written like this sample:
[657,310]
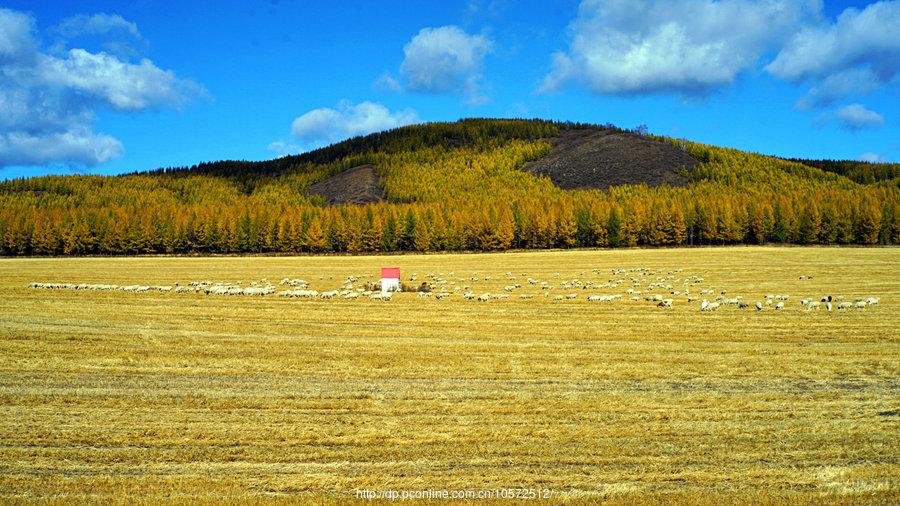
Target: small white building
[390,279]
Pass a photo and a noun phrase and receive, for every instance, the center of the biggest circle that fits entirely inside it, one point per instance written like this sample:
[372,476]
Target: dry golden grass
[184,397]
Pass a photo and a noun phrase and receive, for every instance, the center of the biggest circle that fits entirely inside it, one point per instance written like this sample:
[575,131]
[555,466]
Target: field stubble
[186,396]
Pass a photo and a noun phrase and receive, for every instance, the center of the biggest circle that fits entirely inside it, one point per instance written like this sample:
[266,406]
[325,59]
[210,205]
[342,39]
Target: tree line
[445,190]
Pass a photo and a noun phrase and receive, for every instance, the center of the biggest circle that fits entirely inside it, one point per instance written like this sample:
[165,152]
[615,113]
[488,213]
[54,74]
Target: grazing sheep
[708,306]
[558,297]
[742,305]
[351,295]
[873,300]
[308,294]
[845,305]
[665,303]
[860,304]
[526,296]
[267,290]
[468,295]
[780,305]
[484,297]
[759,306]
[329,295]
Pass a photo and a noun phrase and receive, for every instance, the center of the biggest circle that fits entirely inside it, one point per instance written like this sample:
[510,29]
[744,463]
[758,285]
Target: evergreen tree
[407,239]
[614,227]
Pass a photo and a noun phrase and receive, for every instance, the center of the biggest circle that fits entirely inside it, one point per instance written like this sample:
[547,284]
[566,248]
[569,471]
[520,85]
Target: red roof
[390,272]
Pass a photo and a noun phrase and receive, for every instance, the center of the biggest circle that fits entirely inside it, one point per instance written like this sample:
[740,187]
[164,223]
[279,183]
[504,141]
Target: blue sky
[108,87]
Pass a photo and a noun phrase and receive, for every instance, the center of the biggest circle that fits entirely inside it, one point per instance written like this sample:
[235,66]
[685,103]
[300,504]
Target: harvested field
[185,396]
[589,158]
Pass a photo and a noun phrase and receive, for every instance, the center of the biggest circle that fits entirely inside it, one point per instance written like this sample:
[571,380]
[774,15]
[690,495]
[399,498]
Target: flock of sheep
[649,285]
[299,288]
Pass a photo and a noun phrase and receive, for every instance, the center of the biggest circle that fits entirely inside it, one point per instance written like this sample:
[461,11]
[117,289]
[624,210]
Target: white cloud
[97,24]
[122,85]
[671,46]
[387,82]
[853,56]
[870,157]
[445,60]
[15,35]
[856,117]
[864,40]
[79,146]
[49,100]
[282,148]
[115,34]
[327,125]
[853,82]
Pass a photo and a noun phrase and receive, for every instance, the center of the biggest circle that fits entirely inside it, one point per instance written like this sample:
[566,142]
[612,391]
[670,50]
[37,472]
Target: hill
[475,184]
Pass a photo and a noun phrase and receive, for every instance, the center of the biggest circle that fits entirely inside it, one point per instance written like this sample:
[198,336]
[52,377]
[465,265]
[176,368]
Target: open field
[186,396]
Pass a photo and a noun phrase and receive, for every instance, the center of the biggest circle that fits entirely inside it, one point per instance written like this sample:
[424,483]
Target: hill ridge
[449,186]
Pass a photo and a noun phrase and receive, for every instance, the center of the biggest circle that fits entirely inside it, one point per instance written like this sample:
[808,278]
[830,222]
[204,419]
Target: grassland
[189,397]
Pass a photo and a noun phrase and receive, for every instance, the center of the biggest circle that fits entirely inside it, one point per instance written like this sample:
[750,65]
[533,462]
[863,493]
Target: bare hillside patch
[359,185]
[588,158]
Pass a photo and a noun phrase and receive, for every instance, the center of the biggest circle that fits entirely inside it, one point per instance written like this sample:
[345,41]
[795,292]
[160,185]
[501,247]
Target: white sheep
[708,306]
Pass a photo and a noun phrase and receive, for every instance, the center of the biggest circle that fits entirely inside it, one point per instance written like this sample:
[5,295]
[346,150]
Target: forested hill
[460,186]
